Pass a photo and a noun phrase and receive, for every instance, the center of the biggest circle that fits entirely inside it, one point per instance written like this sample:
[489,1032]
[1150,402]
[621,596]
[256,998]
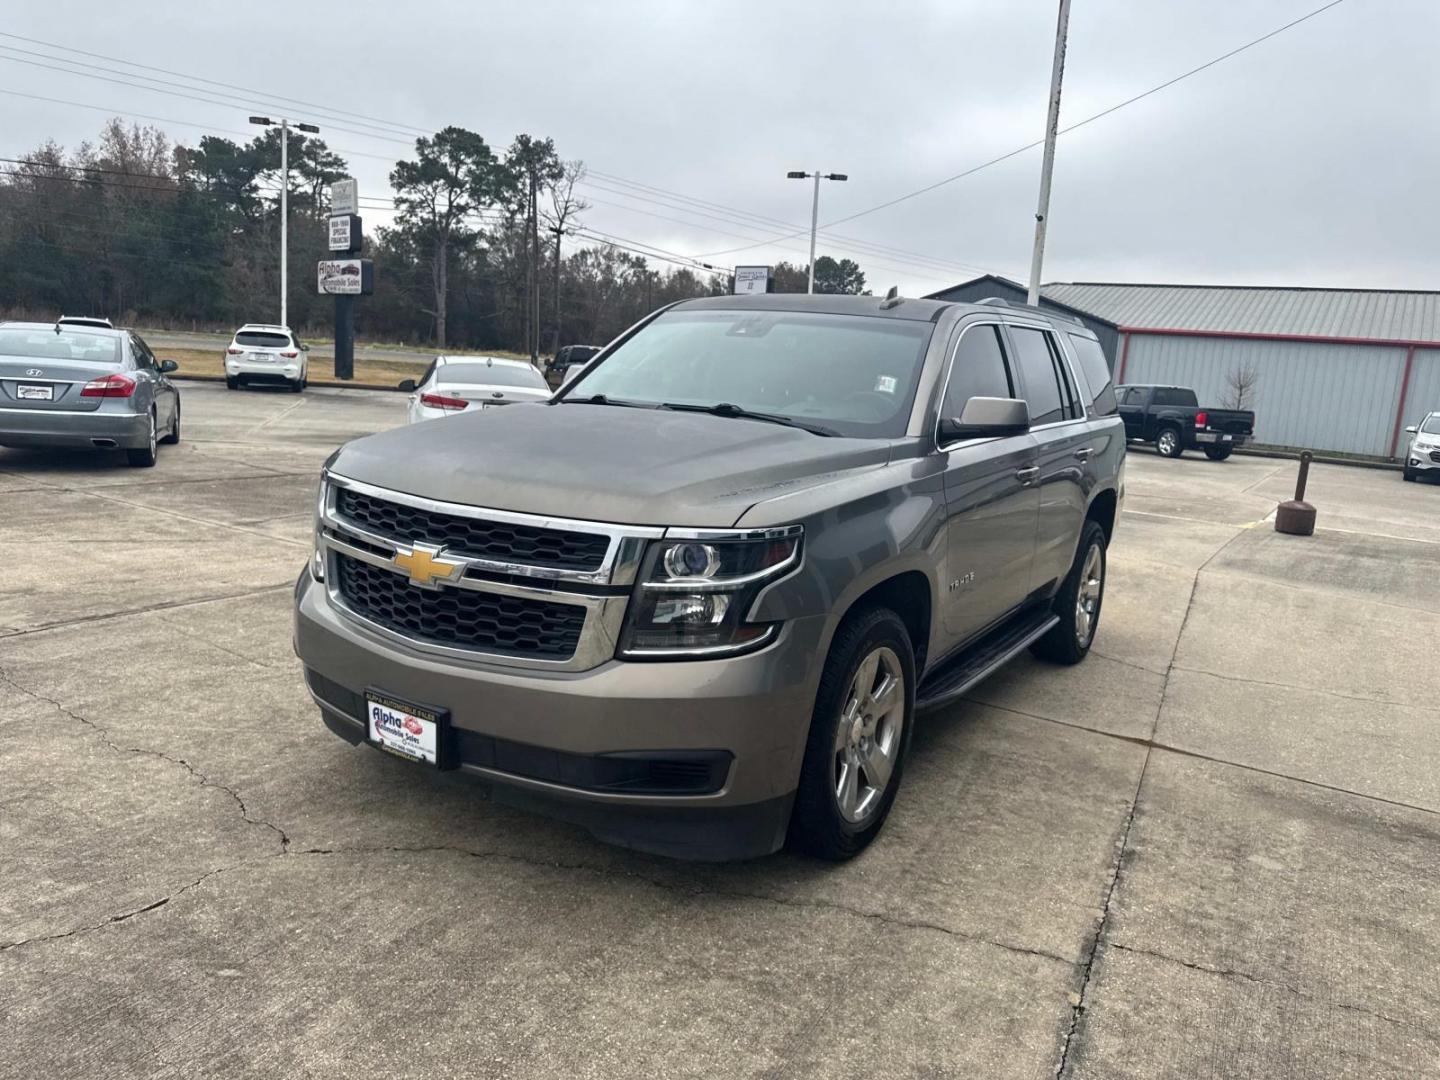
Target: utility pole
[1047,166]
[559,231]
[814,211]
[532,299]
[284,125]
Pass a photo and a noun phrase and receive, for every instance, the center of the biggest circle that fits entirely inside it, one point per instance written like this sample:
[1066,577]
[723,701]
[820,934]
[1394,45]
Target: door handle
[1083,454]
[1027,475]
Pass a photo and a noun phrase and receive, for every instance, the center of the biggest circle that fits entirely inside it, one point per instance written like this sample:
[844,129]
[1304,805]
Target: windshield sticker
[885,384]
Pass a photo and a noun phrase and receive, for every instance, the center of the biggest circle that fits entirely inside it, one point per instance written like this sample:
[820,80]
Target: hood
[604,462]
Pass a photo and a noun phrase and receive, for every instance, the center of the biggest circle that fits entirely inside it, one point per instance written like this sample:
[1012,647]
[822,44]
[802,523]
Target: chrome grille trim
[604,613]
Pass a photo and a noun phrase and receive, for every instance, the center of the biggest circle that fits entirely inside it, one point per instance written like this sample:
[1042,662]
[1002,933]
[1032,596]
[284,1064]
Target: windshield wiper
[601,399]
[724,408]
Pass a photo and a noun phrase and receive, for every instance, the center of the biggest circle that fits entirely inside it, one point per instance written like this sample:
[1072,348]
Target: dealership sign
[752,280]
[345,233]
[346,277]
[344,197]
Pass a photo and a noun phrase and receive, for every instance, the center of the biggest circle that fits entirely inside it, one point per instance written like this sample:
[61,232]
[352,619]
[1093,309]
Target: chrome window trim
[945,448]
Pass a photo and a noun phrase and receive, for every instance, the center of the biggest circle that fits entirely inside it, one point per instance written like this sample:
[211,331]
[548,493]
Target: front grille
[555,549]
[461,618]
[1435,455]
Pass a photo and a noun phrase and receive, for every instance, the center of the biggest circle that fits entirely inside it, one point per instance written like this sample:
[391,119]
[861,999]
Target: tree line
[152,232]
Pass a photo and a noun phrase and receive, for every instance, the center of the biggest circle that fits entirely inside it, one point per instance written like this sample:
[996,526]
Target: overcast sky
[1312,159]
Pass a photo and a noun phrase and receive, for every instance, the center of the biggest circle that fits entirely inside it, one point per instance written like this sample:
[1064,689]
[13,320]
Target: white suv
[261,352]
[1423,457]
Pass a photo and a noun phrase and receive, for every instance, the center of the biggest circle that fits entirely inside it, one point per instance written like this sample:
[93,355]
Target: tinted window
[1037,372]
[1097,373]
[260,339]
[493,375]
[47,343]
[978,370]
[1134,395]
[1174,395]
[853,374]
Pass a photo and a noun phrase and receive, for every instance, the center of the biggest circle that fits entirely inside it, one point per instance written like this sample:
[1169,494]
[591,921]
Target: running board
[989,655]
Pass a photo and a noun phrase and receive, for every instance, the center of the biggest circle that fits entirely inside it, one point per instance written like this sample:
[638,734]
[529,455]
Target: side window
[1069,394]
[1097,373]
[978,370]
[1134,395]
[1037,372]
[143,358]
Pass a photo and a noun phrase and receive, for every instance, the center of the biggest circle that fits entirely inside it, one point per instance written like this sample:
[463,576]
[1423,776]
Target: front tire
[146,456]
[1168,442]
[1218,453]
[1078,602]
[859,735]
[1409,474]
[174,436]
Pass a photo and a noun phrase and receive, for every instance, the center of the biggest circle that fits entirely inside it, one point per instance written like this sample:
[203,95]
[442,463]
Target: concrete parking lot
[1211,850]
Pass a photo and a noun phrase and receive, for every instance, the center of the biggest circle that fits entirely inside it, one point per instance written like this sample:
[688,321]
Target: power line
[199,78]
[1038,142]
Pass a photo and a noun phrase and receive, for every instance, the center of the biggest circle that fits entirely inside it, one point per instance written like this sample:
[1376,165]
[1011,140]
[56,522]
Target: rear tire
[1218,453]
[297,386]
[232,382]
[864,729]
[146,456]
[1168,442]
[1078,602]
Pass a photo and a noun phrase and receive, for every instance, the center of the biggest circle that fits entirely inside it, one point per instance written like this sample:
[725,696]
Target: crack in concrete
[110,920]
[104,736]
[695,889]
[1291,686]
[168,605]
[1126,663]
[1245,976]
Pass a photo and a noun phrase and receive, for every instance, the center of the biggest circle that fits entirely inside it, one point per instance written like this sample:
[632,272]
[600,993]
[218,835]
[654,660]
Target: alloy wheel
[1087,596]
[867,737]
[1167,443]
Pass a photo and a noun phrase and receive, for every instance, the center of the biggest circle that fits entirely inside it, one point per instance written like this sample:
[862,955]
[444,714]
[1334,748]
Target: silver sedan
[88,387]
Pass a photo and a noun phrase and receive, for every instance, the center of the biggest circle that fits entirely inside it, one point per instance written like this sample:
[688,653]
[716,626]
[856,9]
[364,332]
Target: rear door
[147,372]
[991,499]
[1063,447]
[1132,410]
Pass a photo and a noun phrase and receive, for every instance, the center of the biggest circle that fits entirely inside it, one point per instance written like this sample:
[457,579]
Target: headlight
[317,557]
[696,592]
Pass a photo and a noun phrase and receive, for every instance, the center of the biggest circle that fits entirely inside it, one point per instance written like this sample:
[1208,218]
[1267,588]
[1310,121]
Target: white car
[456,384]
[264,353]
[1423,457]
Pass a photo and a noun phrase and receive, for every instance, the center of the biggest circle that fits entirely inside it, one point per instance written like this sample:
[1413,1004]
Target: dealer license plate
[35,393]
[404,729]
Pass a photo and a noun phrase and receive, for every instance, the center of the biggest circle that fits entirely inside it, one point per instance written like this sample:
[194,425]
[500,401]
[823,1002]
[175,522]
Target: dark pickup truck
[1172,419]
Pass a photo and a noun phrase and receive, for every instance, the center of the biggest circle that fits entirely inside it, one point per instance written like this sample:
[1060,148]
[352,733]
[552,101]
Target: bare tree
[564,204]
[1240,383]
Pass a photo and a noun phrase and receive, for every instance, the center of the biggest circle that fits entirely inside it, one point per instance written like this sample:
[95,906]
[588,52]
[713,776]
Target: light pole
[284,126]
[814,211]
[1047,166]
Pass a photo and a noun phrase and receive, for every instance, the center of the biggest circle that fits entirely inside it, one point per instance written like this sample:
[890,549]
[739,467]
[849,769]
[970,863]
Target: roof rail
[1000,301]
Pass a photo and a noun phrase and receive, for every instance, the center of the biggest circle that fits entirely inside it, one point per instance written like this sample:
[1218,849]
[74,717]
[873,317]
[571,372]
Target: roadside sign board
[345,233]
[344,197]
[752,280]
[346,277]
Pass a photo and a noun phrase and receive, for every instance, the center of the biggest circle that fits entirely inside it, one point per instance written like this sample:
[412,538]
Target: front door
[991,497]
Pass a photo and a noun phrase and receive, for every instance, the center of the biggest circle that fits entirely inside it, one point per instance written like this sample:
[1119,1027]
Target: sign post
[345,277]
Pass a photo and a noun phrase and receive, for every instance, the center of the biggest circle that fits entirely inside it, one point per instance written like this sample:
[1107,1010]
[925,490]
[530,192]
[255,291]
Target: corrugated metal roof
[1349,313]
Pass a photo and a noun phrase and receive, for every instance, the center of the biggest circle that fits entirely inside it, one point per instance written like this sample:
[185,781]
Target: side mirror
[1412,430]
[986,418]
[304,348]
[408,385]
[167,366]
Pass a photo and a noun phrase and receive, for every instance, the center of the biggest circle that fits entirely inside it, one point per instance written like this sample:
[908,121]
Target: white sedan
[456,384]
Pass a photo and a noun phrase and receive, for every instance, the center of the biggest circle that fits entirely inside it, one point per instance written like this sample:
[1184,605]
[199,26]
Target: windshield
[258,339]
[497,375]
[1431,426]
[853,374]
[47,344]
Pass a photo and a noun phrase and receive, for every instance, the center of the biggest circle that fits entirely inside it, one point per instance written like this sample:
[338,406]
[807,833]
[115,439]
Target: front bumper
[1418,460]
[66,428]
[553,737]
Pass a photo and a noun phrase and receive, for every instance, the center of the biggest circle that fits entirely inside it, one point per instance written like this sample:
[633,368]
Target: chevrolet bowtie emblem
[425,567]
